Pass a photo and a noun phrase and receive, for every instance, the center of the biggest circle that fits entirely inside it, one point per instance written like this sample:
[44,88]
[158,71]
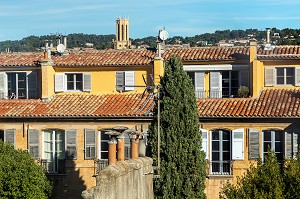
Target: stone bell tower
[122,34]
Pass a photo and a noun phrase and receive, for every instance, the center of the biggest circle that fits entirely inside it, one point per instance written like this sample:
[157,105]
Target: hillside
[234,37]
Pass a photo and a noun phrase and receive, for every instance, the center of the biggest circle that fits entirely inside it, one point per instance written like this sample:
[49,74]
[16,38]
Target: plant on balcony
[20,176]
[243,91]
[182,171]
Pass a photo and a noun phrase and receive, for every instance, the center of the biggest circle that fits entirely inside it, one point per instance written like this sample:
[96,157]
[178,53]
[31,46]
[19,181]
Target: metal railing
[27,95]
[57,166]
[100,165]
[220,167]
[216,94]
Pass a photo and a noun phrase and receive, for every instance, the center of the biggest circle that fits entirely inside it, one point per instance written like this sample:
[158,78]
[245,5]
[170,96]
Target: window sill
[210,176]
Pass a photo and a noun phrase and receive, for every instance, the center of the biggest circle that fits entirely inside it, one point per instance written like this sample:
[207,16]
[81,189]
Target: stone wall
[126,179]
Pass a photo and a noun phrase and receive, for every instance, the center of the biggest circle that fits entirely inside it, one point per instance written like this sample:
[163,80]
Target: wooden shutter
[3,93]
[215,85]
[199,84]
[291,144]
[238,144]
[205,142]
[253,144]
[9,136]
[269,76]
[87,82]
[71,144]
[89,144]
[32,85]
[59,82]
[297,76]
[34,143]
[119,80]
[244,78]
[129,80]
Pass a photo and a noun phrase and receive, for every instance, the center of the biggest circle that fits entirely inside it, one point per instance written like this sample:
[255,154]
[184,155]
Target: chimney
[268,35]
[65,41]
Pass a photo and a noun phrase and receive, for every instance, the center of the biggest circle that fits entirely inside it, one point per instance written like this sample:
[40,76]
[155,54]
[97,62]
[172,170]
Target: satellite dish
[163,35]
[61,48]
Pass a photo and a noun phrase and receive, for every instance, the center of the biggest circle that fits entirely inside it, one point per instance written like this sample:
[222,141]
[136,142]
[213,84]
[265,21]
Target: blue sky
[22,18]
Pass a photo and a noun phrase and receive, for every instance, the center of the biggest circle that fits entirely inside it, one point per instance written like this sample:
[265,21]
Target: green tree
[292,177]
[182,172]
[20,176]
[263,181]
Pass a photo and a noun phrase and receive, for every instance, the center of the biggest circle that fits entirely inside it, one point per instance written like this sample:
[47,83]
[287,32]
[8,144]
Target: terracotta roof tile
[271,103]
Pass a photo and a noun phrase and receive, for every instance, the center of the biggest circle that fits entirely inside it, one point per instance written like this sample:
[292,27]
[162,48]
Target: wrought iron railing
[216,94]
[57,166]
[100,165]
[220,167]
[9,95]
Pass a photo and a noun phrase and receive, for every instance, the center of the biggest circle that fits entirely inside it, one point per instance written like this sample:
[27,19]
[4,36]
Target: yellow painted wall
[104,78]
[47,79]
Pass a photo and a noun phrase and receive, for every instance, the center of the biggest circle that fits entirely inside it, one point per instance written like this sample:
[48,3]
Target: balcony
[100,165]
[216,94]
[26,95]
[220,167]
[53,167]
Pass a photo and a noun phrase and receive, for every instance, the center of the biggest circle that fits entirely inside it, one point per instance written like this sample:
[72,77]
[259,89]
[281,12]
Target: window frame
[273,143]
[74,82]
[285,75]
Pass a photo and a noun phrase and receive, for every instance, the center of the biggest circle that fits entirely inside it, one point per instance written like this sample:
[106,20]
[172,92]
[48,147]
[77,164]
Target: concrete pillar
[121,147]
[112,148]
[135,147]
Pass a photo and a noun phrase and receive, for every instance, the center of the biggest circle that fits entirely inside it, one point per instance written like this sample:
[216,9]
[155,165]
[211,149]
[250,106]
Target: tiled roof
[208,53]
[79,106]
[279,53]
[275,103]
[19,59]
[106,58]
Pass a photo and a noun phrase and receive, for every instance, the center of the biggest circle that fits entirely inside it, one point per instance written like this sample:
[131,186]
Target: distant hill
[285,36]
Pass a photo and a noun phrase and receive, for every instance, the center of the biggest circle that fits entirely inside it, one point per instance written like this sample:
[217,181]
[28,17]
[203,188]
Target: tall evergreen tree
[182,171]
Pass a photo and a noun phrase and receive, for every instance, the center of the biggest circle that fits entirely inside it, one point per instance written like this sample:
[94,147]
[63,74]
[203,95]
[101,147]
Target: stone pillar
[121,147]
[135,147]
[112,148]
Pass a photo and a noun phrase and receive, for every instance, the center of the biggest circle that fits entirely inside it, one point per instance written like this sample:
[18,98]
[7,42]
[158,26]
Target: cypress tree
[182,171]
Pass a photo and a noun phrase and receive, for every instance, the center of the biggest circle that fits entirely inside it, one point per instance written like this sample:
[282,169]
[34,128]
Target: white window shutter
[87,82]
[32,85]
[253,144]
[89,143]
[59,82]
[71,144]
[34,143]
[244,78]
[205,142]
[288,144]
[3,86]
[129,80]
[120,80]
[199,84]
[215,85]
[9,136]
[297,76]
[238,144]
[269,76]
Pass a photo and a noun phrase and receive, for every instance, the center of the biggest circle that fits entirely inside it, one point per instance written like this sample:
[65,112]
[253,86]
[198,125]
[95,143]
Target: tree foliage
[182,172]
[267,180]
[20,176]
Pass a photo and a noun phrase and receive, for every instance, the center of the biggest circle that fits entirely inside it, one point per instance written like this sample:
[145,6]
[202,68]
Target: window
[220,152]
[72,82]
[104,139]
[123,79]
[285,76]
[54,151]
[230,83]
[89,144]
[8,136]
[273,140]
[33,143]
[18,85]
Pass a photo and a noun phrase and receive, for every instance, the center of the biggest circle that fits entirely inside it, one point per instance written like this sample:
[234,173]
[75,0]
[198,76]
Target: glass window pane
[290,80]
[104,155]
[279,156]
[267,135]
[78,85]
[226,156]
[104,146]
[215,146]
[215,135]
[280,80]
[215,167]
[280,72]
[289,72]
[267,146]
[279,135]
[104,136]
[70,85]
[226,146]
[215,156]
[278,147]
[226,135]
